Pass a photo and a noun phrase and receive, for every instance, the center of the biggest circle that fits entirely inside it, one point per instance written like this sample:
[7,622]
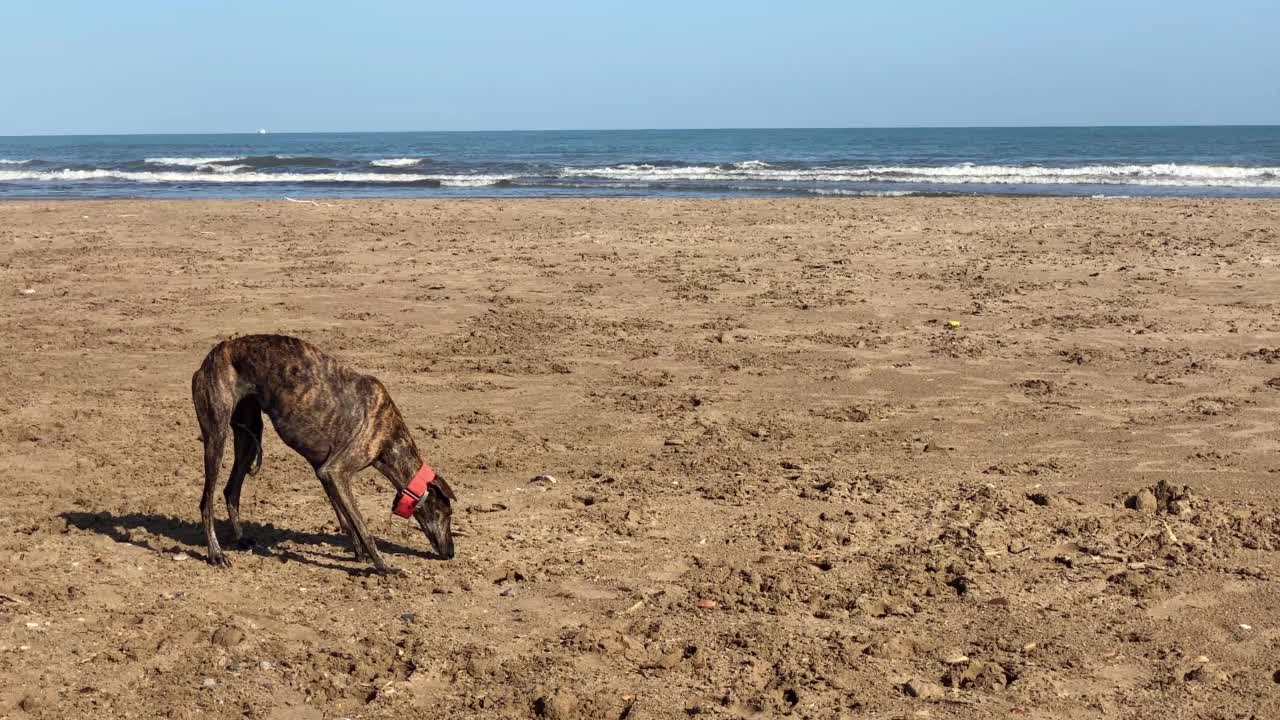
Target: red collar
[408,499]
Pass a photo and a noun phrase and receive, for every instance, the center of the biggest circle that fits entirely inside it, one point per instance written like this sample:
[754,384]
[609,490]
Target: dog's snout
[442,543]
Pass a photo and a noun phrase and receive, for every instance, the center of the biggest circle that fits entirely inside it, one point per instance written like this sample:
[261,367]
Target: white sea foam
[396,162]
[189,161]
[1166,175]
[221,175]
[862,193]
[223,168]
[471,180]
[1176,174]
[13,162]
[226,170]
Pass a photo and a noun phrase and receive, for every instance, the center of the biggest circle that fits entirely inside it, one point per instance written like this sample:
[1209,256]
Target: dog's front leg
[339,486]
[345,526]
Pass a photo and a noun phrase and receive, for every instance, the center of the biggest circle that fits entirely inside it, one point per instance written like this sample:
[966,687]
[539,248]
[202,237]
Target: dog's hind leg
[246,424]
[214,400]
[214,443]
[215,440]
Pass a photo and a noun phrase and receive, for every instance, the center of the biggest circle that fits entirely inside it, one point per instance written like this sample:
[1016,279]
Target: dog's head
[435,516]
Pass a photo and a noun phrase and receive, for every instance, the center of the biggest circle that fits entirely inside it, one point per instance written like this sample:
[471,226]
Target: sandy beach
[883,458]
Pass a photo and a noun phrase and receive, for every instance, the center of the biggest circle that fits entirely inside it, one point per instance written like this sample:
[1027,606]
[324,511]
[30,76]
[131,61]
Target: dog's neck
[402,460]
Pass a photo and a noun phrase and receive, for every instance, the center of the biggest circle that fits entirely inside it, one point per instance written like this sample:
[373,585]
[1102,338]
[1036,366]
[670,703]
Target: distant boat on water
[262,131]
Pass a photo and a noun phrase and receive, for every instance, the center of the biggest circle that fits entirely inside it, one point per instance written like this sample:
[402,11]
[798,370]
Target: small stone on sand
[924,689]
[1144,501]
[228,636]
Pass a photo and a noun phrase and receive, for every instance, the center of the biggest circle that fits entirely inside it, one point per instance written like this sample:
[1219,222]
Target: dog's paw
[220,560]
[389,571]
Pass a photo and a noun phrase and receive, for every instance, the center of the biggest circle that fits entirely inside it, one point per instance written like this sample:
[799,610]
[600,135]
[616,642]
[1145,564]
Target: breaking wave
[189,161]
[1165,175]
[234,174]
[396,162]
[223,168]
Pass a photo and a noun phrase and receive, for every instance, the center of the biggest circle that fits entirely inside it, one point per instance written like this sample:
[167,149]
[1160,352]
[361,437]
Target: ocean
[1110,161]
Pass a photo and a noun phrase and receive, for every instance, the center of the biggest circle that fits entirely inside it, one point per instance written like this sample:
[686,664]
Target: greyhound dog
[339,420]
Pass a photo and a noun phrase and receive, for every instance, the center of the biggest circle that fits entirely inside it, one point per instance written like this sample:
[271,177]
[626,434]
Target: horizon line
[257,133]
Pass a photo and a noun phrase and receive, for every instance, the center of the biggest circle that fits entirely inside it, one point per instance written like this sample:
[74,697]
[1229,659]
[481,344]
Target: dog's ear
[443,487]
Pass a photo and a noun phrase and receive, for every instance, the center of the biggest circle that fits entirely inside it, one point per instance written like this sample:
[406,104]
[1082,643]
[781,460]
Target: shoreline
[306,196]
[799,199]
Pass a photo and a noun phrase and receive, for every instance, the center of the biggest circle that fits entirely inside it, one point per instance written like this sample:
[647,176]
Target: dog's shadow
[144,530]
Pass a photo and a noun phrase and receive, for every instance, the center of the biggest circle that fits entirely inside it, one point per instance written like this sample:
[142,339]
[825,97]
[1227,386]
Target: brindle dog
[339,420]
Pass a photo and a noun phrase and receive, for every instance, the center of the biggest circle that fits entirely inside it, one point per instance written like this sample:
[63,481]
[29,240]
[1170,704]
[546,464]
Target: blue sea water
[1112,161]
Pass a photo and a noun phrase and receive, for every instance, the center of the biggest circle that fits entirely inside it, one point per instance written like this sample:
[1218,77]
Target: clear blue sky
[237,65]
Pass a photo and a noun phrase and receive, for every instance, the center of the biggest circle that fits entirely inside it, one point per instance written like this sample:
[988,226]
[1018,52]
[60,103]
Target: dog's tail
[257,457]
[257,448]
